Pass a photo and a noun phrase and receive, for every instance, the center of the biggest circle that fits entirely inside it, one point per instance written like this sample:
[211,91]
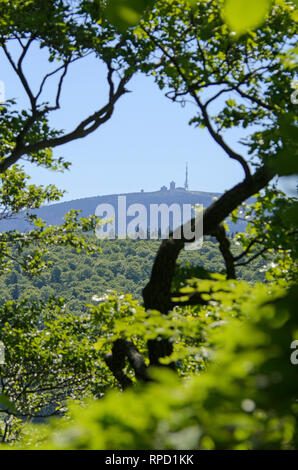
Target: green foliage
[242,15]
[91,267]
[245,400]
[286,161]
[273,224]
[49,357]
[126,13]
[12,124]
[187,328]
[30,249]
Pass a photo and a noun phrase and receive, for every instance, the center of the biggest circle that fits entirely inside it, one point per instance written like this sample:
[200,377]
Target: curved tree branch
[254,241]
[157,293]
[86,127]
[224,246]
[219,139]
[19,70]
[190,88]
[245,263]
[116,361]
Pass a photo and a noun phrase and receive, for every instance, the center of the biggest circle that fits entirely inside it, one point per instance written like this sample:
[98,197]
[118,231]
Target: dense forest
[120,265]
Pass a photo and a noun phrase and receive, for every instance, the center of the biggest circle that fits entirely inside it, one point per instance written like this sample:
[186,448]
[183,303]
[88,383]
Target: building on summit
[173,184]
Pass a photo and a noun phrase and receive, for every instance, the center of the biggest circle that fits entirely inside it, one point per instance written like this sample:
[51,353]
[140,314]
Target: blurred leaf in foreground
[242,15]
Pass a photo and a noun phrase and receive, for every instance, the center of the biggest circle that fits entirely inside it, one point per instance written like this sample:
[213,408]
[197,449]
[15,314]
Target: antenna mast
[186,178]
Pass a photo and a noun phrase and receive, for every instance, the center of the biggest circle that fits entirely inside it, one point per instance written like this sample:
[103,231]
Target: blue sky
[145,144]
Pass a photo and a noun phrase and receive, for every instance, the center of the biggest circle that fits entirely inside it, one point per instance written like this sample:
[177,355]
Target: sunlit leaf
[126,13]
[242,15]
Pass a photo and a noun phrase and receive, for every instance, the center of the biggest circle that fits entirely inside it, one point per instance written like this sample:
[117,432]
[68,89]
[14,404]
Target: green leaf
[6,404]
[242,15]
[126,13]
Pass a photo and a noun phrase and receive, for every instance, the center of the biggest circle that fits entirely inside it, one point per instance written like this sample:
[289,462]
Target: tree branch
[224,246]
[244,263]
[157,348]
[247,250]
[219,139]
[85,128]
[116,362]
[203,107]
[157,293]
[19,71]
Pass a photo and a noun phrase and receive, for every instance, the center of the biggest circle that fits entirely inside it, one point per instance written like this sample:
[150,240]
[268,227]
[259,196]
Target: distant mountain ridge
[53,214]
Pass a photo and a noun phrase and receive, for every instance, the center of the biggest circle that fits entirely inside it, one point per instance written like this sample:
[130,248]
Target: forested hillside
[122,265]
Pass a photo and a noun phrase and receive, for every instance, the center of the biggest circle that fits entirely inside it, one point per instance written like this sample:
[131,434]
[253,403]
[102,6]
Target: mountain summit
[53,214]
